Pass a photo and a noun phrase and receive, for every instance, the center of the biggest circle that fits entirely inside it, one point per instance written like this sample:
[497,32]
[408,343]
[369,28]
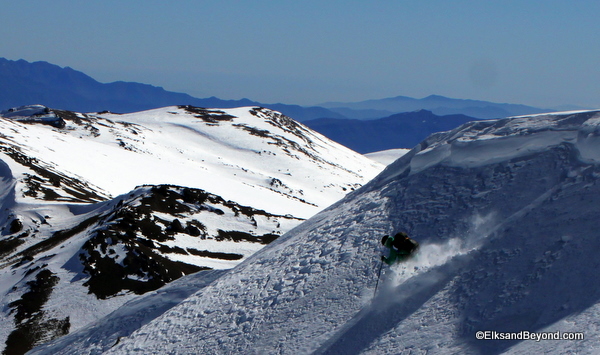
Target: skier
[401,248]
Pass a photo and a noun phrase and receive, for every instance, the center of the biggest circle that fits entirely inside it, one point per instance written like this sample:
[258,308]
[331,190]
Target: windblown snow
[100,207]
[506,215]
[387,157]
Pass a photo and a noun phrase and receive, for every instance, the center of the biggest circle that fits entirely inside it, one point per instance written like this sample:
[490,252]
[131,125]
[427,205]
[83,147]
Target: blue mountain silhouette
[25,83]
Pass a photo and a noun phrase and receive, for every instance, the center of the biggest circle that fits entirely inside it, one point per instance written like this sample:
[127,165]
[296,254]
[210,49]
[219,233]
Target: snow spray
[431,255]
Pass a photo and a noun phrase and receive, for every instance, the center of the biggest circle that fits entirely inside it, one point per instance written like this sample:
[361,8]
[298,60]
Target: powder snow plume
[431,255]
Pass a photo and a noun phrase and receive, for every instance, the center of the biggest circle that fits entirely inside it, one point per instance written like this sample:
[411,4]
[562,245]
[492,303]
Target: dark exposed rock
[238,236]
[215,255]
[208,116]
[128,251]
[32,324]
[15,226]
[46,180]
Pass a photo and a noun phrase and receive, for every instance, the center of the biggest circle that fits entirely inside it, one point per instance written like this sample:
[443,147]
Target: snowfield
[506,214]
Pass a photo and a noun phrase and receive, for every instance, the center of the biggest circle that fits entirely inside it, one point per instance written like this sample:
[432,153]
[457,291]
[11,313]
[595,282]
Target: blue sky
[540,53]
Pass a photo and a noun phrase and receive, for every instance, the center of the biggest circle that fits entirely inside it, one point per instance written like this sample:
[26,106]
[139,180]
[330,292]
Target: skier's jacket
[401,248]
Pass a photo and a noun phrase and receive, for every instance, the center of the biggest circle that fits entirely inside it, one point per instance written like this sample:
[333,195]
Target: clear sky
[542,53]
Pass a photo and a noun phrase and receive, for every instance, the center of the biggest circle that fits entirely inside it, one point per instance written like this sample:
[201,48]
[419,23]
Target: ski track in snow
[403,282]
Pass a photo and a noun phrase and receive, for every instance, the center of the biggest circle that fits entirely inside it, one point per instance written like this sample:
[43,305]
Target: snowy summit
[506,215]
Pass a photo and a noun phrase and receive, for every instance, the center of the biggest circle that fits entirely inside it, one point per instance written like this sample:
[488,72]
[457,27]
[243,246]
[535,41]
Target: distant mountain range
[402,130]
[439,105]
[25,83]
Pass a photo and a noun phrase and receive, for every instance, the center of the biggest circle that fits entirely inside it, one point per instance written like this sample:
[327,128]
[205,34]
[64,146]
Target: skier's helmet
[384,239]
[401,235]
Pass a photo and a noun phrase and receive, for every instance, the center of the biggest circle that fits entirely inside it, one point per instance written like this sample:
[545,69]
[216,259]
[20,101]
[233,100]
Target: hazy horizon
[538,53]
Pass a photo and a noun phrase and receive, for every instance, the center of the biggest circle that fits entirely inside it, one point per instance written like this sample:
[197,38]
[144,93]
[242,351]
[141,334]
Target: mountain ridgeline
[403,130]
[25,83]
[439,105]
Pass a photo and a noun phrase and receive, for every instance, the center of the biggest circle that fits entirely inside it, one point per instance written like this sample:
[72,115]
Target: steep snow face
[71,253]
[506,214]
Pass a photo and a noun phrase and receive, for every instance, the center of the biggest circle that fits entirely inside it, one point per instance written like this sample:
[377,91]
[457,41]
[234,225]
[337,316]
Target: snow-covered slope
[388,156]
[97,208]
[506,214]
[253,155]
